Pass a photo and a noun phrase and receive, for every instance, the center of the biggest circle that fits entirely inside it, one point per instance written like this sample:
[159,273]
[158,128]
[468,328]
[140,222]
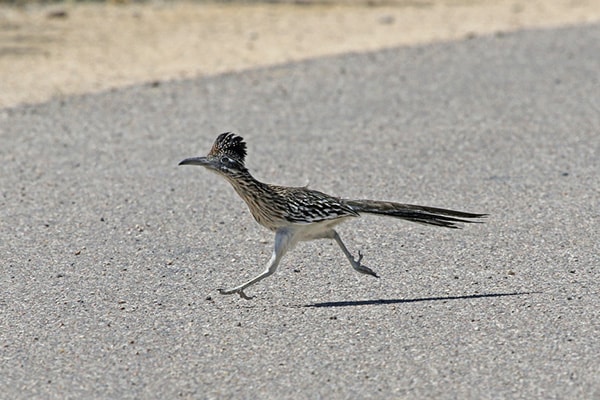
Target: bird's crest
[231,145]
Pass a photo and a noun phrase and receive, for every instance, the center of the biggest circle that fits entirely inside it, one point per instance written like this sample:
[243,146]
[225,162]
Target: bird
[298,214]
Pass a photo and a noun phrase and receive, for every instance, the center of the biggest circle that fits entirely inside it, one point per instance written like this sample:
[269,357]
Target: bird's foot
[363,269]
[239,291]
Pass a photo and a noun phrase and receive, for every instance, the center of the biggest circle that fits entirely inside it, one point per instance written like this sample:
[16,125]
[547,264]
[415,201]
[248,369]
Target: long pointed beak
[196,161]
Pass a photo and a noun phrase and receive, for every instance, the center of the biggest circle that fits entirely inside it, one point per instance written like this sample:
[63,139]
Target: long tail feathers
[414,213]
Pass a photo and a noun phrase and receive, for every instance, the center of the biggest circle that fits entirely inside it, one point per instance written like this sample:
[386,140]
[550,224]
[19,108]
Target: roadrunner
[298,214]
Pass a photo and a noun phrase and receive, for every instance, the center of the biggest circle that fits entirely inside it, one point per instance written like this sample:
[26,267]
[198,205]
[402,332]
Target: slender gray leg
[355,263]
[283,239]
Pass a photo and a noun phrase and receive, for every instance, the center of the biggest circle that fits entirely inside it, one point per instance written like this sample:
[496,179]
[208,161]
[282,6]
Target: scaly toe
[238,291]
[244,295]
[370,272]
[360,257]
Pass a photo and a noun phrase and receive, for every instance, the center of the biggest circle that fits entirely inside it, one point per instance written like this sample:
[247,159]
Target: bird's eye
[225,160]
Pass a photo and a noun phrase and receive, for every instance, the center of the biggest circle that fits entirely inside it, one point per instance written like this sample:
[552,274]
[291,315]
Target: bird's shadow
[379,302]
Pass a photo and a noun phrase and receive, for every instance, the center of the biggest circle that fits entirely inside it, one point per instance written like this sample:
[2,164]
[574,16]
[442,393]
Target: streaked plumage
[300,214]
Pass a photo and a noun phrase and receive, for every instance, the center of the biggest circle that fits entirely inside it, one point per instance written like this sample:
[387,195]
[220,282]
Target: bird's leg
[282,241]
[355,263]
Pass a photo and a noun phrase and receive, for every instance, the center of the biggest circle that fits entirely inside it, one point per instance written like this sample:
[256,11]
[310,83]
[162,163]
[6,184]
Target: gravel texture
[111,254]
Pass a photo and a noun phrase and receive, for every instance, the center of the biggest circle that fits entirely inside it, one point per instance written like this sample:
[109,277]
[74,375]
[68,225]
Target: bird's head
[226,156]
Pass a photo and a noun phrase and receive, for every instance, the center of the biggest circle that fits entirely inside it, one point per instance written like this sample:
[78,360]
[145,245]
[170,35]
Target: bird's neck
[248,187]
[256,195]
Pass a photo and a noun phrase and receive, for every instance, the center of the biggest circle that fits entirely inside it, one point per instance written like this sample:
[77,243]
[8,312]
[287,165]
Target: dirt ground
[67,48]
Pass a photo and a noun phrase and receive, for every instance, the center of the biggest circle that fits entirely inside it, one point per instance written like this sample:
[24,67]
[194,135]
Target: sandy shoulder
[92,47]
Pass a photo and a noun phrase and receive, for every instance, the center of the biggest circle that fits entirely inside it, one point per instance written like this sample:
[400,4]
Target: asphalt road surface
[112,254]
